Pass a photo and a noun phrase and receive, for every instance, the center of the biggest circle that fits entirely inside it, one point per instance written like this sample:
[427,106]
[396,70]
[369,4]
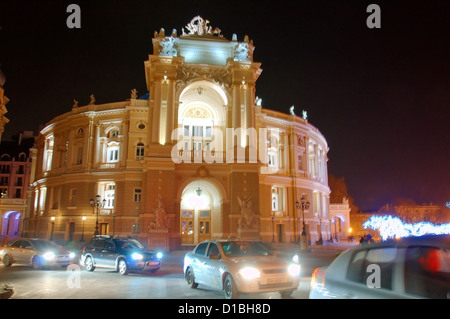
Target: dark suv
[124,254]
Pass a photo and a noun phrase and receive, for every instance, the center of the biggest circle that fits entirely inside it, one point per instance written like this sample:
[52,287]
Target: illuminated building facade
[15,173]
[172,166]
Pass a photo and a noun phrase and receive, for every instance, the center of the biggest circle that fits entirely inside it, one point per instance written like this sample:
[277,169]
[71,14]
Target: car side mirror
[214,256]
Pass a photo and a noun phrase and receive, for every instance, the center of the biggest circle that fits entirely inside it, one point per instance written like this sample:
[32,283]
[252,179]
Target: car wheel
[229,287]
[190,279]
[286,293]
[123,267]
[89,264]
[36,262]
[7,261]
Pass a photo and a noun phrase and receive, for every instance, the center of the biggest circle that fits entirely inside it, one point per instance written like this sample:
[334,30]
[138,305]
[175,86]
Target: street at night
[167,283]
[224,150]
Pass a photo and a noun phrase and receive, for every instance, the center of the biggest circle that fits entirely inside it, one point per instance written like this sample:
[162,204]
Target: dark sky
[381,97]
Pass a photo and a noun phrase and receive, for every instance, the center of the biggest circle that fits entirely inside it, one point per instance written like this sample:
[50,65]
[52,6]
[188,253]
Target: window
[137,195]
[140,151]
[208,131]
[113,133]
[197,131]
[201,249]
[73,197]
[358,270]
[427,272]
[109,195]
[213,250]
[113,154]
[80,155]
[275,206]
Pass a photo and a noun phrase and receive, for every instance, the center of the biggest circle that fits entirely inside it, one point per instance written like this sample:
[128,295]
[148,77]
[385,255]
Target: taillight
[317,278]
[83,250]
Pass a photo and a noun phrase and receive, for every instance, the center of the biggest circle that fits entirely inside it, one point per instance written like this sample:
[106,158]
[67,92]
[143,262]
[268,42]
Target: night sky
[381,97]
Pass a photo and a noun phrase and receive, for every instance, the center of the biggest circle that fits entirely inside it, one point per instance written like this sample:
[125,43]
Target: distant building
[15,172]
[340,220]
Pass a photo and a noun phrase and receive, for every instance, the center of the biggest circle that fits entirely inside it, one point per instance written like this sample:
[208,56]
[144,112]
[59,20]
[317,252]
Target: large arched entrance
[201,215]
[11,223]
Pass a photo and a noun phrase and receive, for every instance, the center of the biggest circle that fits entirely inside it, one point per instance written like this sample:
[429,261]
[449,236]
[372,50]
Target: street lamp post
[52,223]
[304,205]
[273,230]
[97,204]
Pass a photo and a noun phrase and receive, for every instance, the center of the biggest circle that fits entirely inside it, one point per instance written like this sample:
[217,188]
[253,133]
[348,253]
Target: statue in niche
[248,219]
[168,46]
[160,219]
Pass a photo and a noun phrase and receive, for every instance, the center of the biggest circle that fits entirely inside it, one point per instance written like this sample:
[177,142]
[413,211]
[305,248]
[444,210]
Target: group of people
[366,239]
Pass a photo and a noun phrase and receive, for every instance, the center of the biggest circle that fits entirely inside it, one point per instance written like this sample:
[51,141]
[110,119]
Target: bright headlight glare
[72,255]
[294,269]
[249,273]
[159,255]
[295,258]
[137,256]
[49,255]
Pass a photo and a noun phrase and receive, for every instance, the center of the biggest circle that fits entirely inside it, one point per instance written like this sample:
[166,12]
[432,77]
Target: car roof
[432,240]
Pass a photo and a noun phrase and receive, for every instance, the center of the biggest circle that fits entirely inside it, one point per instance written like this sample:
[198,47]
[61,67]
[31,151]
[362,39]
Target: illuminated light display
[394,227]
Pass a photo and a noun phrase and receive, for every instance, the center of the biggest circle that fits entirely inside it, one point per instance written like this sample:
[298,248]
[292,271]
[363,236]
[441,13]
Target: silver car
[416,267]
[37,253]
[239,267]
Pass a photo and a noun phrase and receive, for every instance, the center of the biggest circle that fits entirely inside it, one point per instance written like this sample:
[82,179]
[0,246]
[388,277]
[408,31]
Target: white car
[37,253]
[237,266]
[416,267]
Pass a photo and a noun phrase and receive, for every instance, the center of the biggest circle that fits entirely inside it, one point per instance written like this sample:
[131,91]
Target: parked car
[37,253]
[123,254]
[239,267]
[416,267]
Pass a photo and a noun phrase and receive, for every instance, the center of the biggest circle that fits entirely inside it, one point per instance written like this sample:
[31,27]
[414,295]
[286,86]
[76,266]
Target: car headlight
[159,255]
[49,255]
[137,256]
[249,273]
[72,255]
[294,269]
[295,258]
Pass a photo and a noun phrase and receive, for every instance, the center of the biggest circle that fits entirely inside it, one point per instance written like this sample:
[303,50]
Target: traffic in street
[75,282]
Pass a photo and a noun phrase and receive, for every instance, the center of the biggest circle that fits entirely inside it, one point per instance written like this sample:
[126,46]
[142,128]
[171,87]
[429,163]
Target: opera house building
[197,157]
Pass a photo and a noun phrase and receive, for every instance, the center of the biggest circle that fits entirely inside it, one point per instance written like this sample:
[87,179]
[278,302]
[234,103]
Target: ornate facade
[198,157]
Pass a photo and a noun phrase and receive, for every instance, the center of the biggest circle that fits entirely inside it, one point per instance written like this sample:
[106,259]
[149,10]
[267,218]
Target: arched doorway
[200,211]
[11,223]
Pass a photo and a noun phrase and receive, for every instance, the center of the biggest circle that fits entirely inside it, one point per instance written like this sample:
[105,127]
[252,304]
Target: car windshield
[44,245]
[129,244]
[244,248]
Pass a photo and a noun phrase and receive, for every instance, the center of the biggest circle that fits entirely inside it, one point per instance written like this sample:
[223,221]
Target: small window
[140,151]
[201,249]
[137,195]
[113,133]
